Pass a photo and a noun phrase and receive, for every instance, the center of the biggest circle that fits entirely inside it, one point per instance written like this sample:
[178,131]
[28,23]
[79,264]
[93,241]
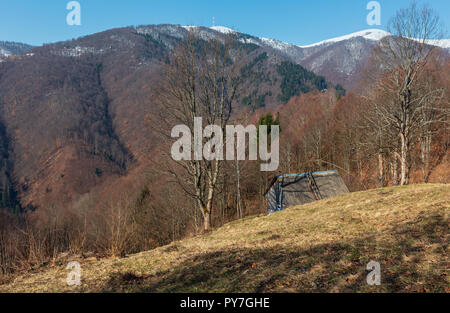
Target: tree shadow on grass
[333,267]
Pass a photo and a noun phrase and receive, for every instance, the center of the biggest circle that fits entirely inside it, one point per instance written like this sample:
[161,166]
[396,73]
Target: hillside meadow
[319,247]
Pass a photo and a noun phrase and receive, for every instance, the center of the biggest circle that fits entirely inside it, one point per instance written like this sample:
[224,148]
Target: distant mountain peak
[370,34]
[374,35]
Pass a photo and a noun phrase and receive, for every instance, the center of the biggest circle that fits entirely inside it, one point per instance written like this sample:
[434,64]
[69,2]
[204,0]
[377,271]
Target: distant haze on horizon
[299,22]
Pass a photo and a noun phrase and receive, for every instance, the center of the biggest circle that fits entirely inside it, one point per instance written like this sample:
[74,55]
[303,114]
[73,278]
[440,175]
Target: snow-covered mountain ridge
[340,59]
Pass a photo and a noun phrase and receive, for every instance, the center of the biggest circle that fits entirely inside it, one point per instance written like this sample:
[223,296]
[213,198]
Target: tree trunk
[404,176]
[425,156]
[380,169]
[394,166]
[213,174]
[238,190]
[209,204]
[207,220]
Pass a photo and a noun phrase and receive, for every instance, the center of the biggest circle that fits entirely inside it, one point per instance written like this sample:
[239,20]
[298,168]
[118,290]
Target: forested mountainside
[74,113]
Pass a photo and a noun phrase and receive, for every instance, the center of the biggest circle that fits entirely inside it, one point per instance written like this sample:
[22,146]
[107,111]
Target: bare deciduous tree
[200,80]
[403,58]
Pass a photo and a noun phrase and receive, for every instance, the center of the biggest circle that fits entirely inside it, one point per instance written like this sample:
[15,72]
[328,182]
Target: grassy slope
[323,246]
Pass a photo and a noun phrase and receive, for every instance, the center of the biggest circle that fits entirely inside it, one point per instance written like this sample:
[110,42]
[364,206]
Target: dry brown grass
[319,247]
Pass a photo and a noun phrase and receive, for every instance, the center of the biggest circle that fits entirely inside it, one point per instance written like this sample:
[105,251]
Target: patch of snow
[4,52]
[250,41]
[279,45]
[370,34]
[223,29]
[443,43]
[189,27]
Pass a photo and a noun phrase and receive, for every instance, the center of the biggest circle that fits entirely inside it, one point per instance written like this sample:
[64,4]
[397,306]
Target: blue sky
[295,21]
